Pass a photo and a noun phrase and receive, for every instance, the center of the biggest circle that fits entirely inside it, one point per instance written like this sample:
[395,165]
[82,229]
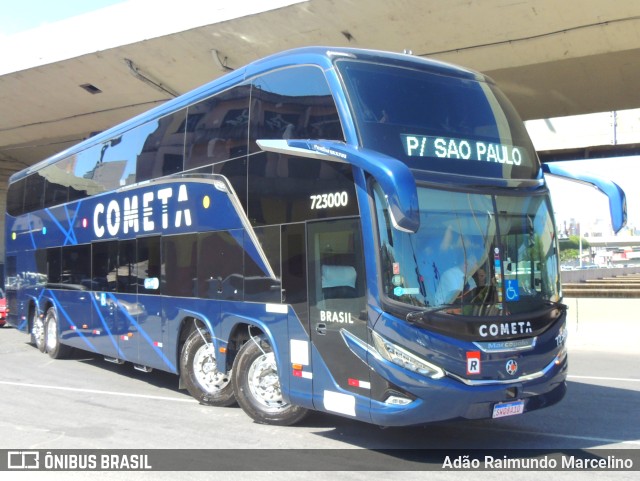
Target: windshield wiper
[425,314]
[557,305]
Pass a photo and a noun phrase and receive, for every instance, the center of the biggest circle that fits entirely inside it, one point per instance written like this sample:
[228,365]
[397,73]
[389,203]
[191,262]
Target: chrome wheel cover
[52,333]
[264,382]
[205,370]
[38,330]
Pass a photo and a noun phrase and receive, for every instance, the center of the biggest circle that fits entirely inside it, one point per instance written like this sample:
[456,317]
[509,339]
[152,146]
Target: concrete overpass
[59,84]
[614,241]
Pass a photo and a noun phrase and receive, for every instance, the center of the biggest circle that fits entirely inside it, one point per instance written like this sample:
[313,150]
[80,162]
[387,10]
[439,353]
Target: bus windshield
[438,123]
[474,254]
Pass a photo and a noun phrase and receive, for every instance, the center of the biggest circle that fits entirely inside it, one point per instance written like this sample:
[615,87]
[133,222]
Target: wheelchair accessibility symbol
[512,291]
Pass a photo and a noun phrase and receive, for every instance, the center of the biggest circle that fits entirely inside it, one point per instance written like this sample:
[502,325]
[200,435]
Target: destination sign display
[463,149]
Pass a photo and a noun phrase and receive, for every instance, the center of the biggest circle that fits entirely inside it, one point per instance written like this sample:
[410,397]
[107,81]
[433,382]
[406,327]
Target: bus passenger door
[104,283]
[74,311]
[124,304]
[137,324]
[145,312]
[337,303]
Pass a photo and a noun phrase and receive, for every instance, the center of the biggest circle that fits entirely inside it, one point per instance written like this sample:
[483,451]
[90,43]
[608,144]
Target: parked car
[3,308]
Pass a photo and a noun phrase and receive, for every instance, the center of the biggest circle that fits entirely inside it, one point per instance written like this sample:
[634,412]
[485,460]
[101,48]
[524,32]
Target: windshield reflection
[474,254]
[442,123]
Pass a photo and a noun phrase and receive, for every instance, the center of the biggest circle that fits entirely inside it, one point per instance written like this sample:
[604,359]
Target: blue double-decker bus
[357,232]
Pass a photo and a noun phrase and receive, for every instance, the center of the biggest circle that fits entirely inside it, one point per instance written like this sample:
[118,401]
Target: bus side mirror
[617,198]
[394,177]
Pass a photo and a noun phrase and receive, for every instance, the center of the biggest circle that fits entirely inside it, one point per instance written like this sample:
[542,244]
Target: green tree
[570,248]
[574,243]
[569,255]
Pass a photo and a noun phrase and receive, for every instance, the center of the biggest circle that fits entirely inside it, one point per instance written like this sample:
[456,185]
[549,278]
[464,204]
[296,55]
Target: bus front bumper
[447,398]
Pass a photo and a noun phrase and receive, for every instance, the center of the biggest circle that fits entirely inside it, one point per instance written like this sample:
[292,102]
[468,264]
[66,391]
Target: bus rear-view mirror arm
[617,198]
[394,177]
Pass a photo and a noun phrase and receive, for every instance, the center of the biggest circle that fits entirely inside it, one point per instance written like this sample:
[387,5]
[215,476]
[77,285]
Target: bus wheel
[257,386]
[37,331]
[55,349]
[200,374]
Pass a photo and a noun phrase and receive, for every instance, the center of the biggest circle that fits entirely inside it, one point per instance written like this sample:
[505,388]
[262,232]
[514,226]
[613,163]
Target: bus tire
[38,331]
[257,386]
[199,372]
[54,347]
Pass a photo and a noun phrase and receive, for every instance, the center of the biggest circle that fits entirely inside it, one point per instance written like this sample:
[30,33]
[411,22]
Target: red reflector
[297,373]
[354,382]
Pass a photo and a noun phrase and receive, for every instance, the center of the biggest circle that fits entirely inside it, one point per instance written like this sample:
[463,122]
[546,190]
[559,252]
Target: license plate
[512,408]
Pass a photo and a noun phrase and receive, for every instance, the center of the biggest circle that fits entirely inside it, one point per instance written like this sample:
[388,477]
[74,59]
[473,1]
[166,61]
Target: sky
[569,200]
[20,15]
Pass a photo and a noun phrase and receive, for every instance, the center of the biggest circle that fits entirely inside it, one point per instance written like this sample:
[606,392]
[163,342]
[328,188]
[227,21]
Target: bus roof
[320,56]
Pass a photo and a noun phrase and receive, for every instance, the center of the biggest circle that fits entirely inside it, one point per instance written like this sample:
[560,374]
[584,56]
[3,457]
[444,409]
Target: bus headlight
[405,359]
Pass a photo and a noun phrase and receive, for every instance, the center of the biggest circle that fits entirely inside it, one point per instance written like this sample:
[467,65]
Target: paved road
[86,403]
